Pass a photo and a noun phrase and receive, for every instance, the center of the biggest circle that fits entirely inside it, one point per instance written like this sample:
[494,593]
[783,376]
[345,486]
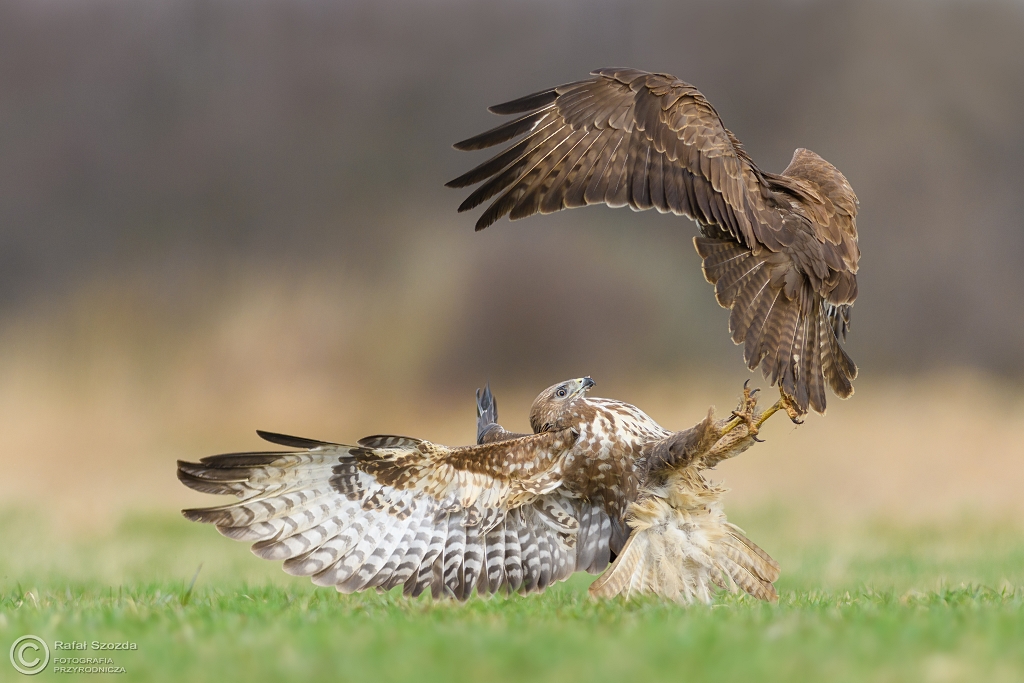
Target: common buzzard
[597,481]
[781,249]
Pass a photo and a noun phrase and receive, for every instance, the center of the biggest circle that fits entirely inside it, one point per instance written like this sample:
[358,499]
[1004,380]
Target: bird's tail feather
[682,547]
[789,331]
[751,568]
[619,577]
[749,553]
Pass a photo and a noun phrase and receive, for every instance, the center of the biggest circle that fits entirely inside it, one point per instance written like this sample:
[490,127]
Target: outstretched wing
[786,245]
[625,137]
[396,511]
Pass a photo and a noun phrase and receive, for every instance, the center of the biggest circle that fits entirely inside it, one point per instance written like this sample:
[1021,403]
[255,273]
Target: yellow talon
[782,404]
[787,404]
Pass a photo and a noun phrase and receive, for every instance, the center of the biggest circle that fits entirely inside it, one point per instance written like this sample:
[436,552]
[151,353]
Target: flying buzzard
[597,481]
[781,249]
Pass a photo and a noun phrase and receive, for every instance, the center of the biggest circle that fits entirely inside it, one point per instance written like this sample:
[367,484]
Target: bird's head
[553,408]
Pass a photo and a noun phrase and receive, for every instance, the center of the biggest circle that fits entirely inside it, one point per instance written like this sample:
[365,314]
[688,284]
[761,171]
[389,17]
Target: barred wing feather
[394,511]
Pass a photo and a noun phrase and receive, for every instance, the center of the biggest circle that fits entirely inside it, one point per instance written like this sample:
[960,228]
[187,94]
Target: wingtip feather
[526,103]
[291,441]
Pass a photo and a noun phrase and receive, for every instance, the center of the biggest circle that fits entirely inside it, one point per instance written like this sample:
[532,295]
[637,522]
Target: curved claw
[754,391]
[757,439]
[787,404]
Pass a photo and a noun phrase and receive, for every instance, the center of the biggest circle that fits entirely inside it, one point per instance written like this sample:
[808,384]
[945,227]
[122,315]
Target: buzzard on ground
[781,249]
[598,482]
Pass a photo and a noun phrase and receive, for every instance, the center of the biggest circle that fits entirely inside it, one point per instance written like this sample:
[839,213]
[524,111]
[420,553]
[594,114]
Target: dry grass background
[102,395]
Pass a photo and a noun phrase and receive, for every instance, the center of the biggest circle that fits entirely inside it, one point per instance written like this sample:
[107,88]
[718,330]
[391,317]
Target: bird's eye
[560,393]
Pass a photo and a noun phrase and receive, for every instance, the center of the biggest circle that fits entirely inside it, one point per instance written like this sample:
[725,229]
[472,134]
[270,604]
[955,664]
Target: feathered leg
[711,441]
[746,414]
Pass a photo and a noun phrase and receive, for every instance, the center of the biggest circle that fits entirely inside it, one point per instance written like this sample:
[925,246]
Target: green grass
[867,602]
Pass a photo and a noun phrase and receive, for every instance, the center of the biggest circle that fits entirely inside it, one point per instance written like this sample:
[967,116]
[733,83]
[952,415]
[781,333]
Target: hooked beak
[586,383]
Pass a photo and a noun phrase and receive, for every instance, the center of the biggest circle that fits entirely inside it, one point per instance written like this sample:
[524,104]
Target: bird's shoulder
[820,193]
[603,420]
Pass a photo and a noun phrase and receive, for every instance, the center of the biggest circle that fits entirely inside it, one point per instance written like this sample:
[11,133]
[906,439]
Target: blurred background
[223,215]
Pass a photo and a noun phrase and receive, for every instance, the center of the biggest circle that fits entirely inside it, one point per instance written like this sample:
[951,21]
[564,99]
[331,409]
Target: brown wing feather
[400,511]
[630,138]
[654,123]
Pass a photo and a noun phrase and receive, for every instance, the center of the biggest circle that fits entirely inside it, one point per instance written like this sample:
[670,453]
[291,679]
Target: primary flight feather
[781,249]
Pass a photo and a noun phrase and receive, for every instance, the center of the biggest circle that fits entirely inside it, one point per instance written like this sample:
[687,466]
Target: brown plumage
[781,249]
[515,514]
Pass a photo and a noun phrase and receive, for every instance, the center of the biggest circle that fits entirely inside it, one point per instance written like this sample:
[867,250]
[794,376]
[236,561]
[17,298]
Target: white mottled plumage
[515,513]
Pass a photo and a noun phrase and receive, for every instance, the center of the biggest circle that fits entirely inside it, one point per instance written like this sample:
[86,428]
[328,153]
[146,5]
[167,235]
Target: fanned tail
[784,326]
[750,568]
[682,547]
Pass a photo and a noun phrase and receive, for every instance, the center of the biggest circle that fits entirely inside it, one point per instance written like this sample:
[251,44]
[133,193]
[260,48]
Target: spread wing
[625,137]
[781,249]
[394,510]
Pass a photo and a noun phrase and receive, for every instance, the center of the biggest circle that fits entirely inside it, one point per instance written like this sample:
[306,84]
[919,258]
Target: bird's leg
[745,414]
[732,441]
[709,441]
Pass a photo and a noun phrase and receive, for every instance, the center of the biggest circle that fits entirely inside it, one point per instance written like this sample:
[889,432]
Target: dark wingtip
[486,220]
[464,180]
[485,403]
[527,103]
[202,485]
[502,133]
[192,515]
[184,471]
[291,441]
[486,412]
[465,145]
